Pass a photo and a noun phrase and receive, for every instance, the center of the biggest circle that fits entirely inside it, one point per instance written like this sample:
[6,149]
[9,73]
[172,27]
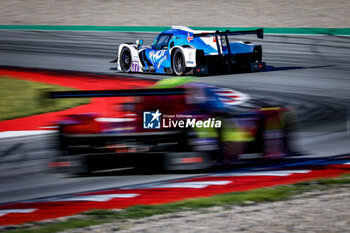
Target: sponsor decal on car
[156,55]
[161,61]
[135,66]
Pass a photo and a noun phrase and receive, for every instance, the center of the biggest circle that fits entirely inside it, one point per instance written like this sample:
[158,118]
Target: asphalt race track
[309,73]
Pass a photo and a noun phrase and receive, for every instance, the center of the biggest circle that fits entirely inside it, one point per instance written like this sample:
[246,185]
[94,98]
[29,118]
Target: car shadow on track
[240,165]
[283,68]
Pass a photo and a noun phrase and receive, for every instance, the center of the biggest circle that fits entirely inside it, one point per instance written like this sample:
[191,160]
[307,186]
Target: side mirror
[139,43]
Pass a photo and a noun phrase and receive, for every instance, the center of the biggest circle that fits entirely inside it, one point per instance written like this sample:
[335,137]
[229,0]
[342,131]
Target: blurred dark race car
[177,124]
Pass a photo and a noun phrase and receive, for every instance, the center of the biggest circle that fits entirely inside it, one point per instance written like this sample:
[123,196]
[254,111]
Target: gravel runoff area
[227,13]
[323,211]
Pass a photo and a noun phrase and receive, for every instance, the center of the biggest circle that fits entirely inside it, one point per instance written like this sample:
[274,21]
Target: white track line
[100,198]
[194,184]
[264,173]
[16,211]
[21,133]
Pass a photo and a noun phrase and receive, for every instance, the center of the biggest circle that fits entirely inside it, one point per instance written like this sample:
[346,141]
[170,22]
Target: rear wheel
[125,59]
[179,64]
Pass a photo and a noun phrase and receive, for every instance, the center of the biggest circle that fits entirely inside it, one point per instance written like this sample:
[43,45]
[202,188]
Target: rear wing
[219,34]
[259,33]
[116,93]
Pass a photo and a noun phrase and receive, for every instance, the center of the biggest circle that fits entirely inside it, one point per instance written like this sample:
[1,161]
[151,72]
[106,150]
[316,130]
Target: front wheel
[179,64]
[125,60]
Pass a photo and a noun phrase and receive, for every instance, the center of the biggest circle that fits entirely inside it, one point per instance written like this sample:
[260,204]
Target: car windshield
[162,42]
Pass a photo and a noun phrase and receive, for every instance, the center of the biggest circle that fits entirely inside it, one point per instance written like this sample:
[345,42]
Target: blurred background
[207,13]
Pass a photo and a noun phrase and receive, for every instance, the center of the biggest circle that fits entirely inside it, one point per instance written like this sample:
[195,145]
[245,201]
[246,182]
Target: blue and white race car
[181,50]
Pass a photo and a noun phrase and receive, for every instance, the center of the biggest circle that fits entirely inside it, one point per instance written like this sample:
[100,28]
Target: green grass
[96,217]
[20,98]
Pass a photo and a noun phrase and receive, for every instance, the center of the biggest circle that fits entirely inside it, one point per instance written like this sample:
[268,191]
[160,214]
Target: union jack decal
[189,37]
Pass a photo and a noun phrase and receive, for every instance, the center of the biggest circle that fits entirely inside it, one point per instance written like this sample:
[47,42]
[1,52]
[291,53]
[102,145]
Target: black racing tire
[125,60]
[178,63]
